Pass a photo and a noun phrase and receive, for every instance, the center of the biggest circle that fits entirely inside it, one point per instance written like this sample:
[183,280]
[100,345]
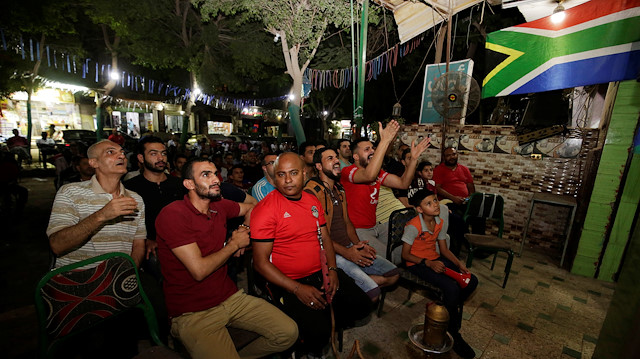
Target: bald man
[98,216]
[286,251]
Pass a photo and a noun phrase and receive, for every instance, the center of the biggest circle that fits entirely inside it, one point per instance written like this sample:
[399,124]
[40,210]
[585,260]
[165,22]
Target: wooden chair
[397,220]
[488,206]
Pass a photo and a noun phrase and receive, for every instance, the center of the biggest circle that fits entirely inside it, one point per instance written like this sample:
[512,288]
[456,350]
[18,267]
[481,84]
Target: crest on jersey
[314,211]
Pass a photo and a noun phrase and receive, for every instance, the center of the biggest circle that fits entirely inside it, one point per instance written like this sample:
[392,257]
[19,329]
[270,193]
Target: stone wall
[517,177]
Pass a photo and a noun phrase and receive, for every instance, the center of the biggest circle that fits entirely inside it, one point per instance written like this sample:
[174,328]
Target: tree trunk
[294,108]
[29,121]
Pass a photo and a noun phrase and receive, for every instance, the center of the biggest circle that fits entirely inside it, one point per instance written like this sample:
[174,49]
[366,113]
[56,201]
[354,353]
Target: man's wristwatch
[333,269]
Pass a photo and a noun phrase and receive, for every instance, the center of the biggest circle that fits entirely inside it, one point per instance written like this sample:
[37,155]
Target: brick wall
[518,177]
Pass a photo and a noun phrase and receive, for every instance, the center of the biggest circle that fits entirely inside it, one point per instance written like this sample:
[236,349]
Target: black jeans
[349,304]
[454,296]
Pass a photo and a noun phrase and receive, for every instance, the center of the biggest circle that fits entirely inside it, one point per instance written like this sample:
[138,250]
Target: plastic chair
[488,206]
[70,300]
[397,220]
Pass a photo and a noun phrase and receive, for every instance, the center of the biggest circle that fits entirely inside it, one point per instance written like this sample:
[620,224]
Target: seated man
[356,258]
[98,216]
[287,252]
[265,185]
[18,146]
[236,177]
[201,298]
[427,256]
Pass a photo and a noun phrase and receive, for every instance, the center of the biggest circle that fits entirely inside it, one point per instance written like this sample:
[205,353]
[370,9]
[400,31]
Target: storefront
[48,107]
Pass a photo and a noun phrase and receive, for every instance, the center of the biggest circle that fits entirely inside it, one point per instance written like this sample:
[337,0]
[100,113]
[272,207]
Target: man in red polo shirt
[286,251]
[201,298]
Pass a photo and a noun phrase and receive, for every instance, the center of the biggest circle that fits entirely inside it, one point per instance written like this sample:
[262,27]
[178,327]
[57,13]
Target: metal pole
[362,63]
[353,60]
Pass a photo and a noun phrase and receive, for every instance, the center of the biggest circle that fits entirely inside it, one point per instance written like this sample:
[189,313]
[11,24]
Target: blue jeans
[454,296]
[361,275]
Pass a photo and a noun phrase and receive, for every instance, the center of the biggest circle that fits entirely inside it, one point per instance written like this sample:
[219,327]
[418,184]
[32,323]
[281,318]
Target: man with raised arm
[356,258]
[362,180]
[201,298]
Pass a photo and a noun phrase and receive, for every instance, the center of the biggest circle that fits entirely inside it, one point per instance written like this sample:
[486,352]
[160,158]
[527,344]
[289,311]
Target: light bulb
[558,14]
[114,75]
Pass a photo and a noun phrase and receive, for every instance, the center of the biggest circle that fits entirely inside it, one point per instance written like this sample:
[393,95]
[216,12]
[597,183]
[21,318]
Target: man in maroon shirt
[201,299]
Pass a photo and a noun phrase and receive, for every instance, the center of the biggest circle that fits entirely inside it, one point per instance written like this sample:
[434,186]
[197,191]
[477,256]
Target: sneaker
[462,348]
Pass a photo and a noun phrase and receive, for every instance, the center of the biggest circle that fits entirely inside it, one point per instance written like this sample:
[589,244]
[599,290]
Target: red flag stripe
[582,13]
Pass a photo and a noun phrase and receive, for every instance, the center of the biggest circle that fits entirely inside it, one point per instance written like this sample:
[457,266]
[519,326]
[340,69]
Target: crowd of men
[309,220]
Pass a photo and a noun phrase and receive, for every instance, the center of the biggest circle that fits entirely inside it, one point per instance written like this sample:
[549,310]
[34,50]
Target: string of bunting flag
[342,78]
[88,68]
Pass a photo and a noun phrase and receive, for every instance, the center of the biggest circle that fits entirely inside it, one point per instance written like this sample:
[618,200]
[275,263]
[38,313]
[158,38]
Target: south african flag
[598,42]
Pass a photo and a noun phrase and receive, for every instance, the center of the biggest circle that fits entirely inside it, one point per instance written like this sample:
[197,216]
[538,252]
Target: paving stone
[544,316]
[528,266]
[508,298]
[589,339]
[558,279]
[563,307]
[581,300]
[593,292]
[525,290]
[544,285]
[502,339]
[525,327]
[572,353]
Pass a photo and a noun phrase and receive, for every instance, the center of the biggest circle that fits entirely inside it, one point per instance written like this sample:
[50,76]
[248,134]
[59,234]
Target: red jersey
[454,182]
[292,226]
[361,197]
[179,224]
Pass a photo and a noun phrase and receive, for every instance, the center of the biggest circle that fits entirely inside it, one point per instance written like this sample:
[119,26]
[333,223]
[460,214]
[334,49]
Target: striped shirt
[261,189]
[77,201]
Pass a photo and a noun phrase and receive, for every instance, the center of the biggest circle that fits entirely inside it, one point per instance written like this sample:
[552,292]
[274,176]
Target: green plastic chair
[70,300]
[488,206]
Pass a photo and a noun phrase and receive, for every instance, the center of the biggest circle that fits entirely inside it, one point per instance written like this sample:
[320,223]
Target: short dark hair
[236,166]
[342,140]
[422,165]
[303,147]
[264,155]
[147,139]
[179,155]
[317,156]
[187,170]
[419,197]
[405,152]
[355,143]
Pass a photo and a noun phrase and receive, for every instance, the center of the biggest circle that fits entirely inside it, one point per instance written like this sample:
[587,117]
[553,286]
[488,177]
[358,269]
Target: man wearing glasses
[266,184]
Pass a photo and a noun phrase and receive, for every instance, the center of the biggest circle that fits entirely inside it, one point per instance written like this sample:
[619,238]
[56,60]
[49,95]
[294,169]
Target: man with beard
[455,182]
[356,258]
[287,252]
[362,180]
[201,298]
[154,186]
[344,153]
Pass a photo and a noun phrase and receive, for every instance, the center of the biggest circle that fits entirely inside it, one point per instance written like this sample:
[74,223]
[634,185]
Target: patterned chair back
[70,299]
[397,220]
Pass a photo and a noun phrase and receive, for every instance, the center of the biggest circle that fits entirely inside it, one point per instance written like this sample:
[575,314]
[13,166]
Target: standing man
[201,298]
[362,180]
[116,137]
[306,151]
[98,216]
[356,258]
[344,152]
[286,251]
[153,185]
[178,162]
[454,182]
[266,184]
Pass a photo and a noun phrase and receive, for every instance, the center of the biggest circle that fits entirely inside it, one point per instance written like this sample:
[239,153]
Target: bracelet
[333,269]
[245,226]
